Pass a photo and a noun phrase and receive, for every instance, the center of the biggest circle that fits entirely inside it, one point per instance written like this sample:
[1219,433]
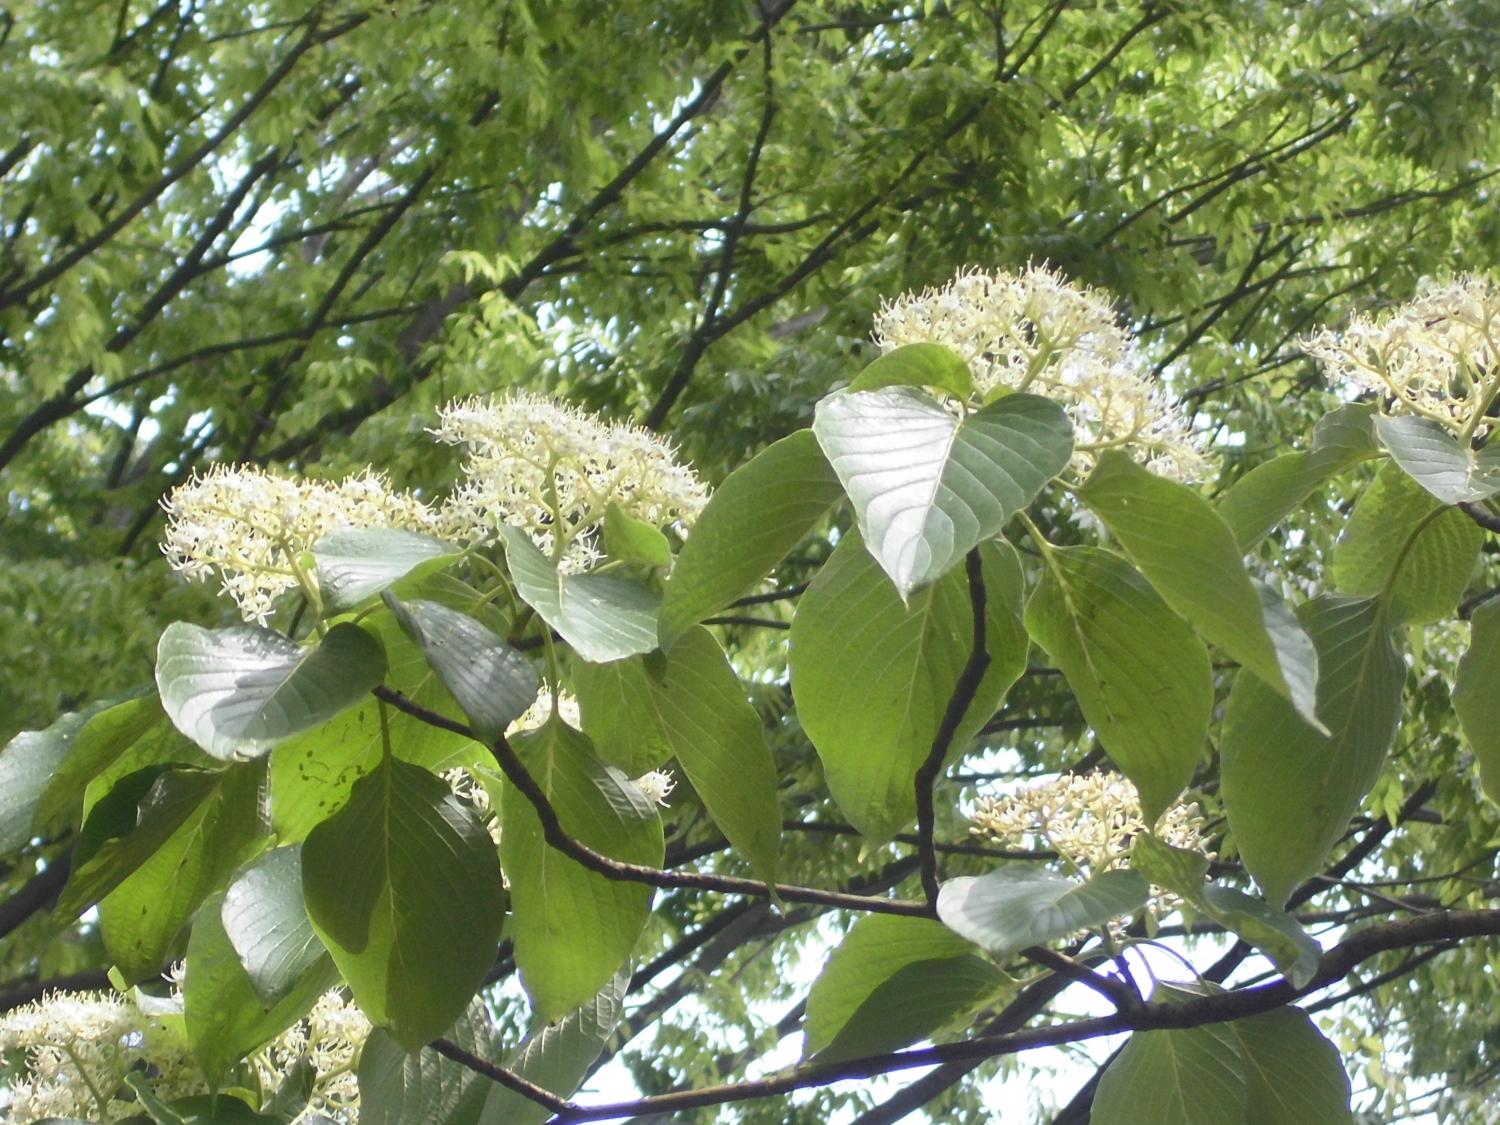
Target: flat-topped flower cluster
[1036,331]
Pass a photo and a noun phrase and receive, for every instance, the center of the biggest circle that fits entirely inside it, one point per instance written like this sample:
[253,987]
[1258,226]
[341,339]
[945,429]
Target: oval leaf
[1007,911]
[1141,677]
[918,365]
[355,565]
[761,511]
[403,887]
[237,692]
[1435,458]
[928,486]
[1476,695]
[1188,1076]
[265,921]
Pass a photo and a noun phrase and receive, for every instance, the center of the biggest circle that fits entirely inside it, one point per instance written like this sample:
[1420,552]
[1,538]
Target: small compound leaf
[1007,911]
[603,617]
[358,564]
[753,520]
[492,682]
[403,887]
[239,691]
[928,486]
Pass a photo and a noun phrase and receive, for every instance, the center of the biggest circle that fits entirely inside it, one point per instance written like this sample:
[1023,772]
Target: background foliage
[285,233]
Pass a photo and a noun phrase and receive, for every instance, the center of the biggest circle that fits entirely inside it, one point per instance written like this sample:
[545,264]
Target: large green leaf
[1190,555]
[224,1015]
[102,740]
[557,1056]
[398,1087]
[1009,910]
[572,927]
[358,564]
[265,921]
[1141,677]
[873,676]
[603,617]
[1402,544]
[216,826]
[1270,492]
[891,982]
[928,486]
[237,692]
[492,682]
[761,511]
[1293,1073]
[918,365]
[27,766]
[1274,932]
[1191,1076]
[1432,454]
[1288,790]
[695,706]
[1476,694]
[404,889]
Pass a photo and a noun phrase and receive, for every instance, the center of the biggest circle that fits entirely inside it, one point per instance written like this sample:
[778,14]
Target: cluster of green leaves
[265,804]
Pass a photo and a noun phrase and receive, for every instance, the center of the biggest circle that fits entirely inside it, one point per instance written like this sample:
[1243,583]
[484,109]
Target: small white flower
[657,785]
[248,526]
[541,710]
[1036,331]
[1437,356]
[553,470]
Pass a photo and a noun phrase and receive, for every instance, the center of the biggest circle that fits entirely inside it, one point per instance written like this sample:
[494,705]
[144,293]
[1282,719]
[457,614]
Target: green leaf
[1189,554]
[1180,870]
[891,982]
[237,692]
[397,1087]
[492,682]
[1267,494]
[1141,677]
[696,707]
[557,1056]
[1190,1076]
[403,887]
[313,772]
[1276,933]
[634,540]
[753,520]
[918,365]
[927,486]
[355,565]
[873,677]
[266,923]
[28,764]
[102,740]
[1397,524]
[225,1017]
[196,1109]
[1294,1075]
[1436,459]
[194,831]
[1476,694]
[1010,910]
[601,616]
[1288,790]
[572,927]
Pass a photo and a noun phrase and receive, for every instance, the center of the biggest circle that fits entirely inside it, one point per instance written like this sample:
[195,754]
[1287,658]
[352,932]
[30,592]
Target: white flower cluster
[1036,331]
[553,471]
[467,788]
[1437,356]
[249,525]
[1088,819]
[657,785]
[79,1047]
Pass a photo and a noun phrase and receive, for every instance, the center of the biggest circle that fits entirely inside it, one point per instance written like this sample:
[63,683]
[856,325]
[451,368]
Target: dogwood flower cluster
[1036,331]
[1089,819]
[1437,356]
[248,526]
[78,1048]
[553,471]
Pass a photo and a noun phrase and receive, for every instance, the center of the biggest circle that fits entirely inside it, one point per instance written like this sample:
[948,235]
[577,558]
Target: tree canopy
[655,646]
